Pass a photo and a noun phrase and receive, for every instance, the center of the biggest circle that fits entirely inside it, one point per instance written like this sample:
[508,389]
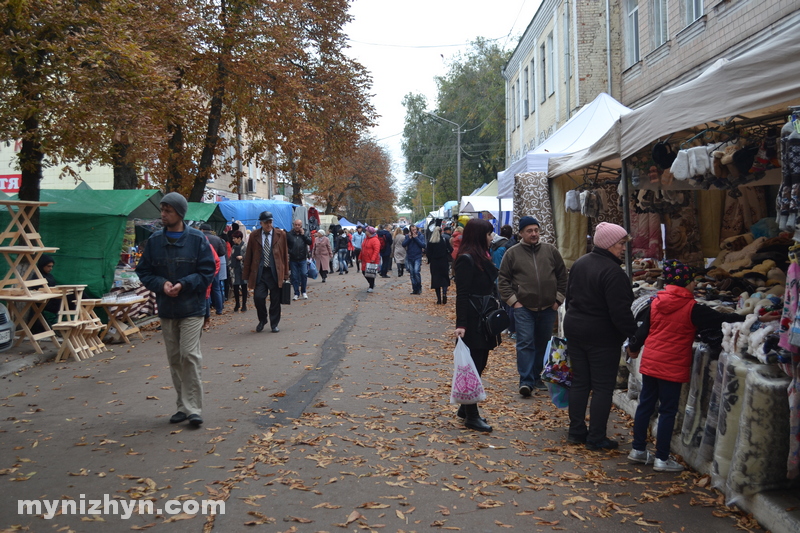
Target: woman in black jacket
[597,322]
[438,251]
[475,275]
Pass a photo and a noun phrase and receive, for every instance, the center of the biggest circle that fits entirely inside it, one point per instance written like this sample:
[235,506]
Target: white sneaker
[295,297]
[670,465]
[369,290]
[305,296]
[641,456]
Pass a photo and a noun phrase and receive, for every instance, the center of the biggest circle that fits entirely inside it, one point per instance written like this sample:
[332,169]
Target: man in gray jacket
[533,280]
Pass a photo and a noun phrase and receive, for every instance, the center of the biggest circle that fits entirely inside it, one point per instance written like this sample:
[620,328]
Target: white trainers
[295,297]
[641,456]
[670,465]
[305,296]
[369,290]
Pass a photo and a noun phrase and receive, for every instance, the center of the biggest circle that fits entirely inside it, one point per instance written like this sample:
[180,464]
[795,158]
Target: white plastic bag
[466,387]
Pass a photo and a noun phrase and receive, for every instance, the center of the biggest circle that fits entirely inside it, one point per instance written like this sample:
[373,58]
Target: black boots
[444,295]
[438,295]
[400,269]
[474,420]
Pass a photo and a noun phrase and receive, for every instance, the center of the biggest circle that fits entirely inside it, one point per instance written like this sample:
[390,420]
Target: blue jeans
[534,329]
[668,395]
[216,295]
[299,275]
[343,260]
[413,266]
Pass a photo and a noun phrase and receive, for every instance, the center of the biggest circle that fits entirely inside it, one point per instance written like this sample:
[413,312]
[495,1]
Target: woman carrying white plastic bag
[475,276]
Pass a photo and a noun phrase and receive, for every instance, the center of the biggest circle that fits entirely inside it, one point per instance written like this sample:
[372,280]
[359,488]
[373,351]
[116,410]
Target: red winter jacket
[667,351]
[370,251]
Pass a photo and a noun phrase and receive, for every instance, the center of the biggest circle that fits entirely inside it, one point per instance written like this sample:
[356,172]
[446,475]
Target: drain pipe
[567,66]
[608,43]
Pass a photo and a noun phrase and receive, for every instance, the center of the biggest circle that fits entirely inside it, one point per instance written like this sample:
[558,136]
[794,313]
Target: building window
[551,49]
[513,108]
[694,10]
[660,34]
[519,102]
[533,87]
[526,97]
[632,32]
[543,65]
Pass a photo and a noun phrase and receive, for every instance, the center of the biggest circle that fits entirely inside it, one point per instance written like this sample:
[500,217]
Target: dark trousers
[594,370]
[371,281]
[267,286]
[480,358]
[216,295]
[386,264]
[668,395]
[237,289]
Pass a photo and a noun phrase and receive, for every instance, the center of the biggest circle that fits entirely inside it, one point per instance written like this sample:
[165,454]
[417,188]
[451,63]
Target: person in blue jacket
[414,244]
[178,266]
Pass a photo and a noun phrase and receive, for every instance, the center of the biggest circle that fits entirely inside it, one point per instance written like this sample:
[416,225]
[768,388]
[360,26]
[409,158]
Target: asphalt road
[340,422]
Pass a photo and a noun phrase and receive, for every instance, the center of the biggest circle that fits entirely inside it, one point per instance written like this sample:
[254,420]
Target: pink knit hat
[607,235]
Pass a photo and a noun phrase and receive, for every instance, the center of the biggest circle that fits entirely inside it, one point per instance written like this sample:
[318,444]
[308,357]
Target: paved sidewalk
[339,422]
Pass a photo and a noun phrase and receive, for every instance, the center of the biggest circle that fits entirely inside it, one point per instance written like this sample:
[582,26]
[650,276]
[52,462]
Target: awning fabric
[579,132]
[763,78]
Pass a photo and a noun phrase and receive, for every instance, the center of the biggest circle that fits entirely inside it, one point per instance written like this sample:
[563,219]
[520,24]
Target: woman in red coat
[370,253]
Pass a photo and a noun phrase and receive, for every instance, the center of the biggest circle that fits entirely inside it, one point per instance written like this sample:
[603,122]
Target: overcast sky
[405,43]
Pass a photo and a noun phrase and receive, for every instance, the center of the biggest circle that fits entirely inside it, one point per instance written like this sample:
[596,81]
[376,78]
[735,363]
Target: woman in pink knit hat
[597,322]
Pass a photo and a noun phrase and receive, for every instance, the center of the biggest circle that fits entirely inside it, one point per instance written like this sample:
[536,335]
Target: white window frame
[660,19]
[543,66]
[551,50]
[632,50]
[526,101]
[693,10]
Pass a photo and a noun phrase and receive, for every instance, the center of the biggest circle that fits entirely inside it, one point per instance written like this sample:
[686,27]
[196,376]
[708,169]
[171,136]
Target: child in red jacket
[668,331]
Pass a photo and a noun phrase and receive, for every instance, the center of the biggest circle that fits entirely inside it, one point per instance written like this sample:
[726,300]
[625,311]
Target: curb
[777,510]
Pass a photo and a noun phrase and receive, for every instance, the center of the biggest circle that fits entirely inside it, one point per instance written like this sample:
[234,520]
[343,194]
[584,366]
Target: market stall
[716,162]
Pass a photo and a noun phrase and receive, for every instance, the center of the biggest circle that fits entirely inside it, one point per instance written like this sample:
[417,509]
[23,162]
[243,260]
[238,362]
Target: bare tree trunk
[124,172]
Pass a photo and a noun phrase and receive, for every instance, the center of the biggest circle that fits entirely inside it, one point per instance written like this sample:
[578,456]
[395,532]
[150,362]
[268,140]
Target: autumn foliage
[163,87]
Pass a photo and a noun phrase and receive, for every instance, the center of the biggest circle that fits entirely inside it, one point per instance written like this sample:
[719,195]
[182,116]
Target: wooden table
[95,327]
[123,324]
[35,303]
[71,324]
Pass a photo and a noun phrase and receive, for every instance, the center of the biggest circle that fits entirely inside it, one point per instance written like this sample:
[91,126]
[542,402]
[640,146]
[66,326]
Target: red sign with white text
[10,182]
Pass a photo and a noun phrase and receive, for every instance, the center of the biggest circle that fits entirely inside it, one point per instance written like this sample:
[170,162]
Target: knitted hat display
[607,235]
[676,273]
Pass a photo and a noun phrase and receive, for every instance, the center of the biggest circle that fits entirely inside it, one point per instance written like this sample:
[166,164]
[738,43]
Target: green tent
[88,227]
[209,213]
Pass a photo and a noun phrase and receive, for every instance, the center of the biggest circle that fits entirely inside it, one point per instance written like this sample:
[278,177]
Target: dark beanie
[177,201]
[527,221]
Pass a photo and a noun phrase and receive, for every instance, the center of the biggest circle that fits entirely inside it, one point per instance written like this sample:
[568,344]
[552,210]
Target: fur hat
[607,235]
[177,201]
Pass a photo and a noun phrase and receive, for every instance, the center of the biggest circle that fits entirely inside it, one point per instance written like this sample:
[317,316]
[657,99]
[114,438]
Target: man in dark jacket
[178,266]
[533,280]
[414,243]
[298,242]
[385,237]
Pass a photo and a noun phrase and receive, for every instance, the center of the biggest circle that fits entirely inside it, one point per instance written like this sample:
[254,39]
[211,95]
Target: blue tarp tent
[247,212]
[346,223]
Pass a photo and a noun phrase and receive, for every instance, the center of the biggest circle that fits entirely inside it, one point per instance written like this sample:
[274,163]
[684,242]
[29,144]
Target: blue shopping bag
[312,269]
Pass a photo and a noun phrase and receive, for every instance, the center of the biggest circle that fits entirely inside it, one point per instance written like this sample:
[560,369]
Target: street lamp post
[458,153]
[433,187]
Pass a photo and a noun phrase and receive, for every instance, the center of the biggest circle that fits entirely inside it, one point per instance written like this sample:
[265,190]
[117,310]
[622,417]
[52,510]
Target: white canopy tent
[579,132]
[476,204]
[763,79]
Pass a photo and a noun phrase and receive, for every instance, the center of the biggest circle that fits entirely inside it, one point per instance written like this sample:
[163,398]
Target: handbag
[286,293]
[467,387]
[557,368]
[312,269]
[371,271]
[493,318]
